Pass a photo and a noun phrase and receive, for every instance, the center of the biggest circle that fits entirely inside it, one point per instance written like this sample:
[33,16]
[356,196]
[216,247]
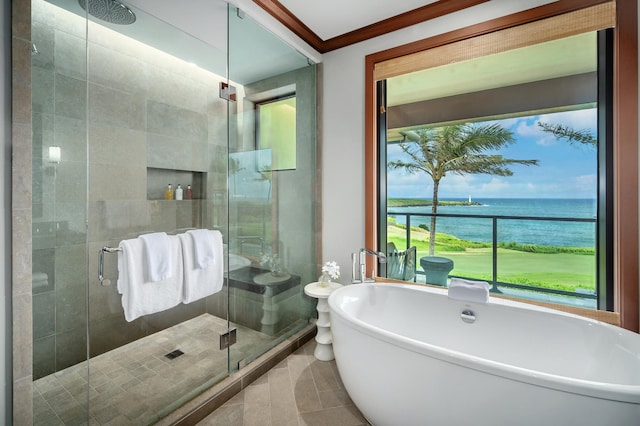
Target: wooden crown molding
[406,19]
[289,20]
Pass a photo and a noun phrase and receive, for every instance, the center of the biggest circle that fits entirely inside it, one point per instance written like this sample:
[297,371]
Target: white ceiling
[331,18]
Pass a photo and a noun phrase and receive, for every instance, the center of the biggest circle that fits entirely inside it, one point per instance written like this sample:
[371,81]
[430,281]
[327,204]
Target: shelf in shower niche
[157,180]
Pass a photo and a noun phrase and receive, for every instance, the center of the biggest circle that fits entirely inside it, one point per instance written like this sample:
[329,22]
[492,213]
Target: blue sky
[564,170]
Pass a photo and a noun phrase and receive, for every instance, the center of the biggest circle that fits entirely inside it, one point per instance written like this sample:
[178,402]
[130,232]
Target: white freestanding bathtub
[409,355]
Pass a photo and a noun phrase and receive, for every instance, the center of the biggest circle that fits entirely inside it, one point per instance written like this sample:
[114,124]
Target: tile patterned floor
[136,384]
[299,391]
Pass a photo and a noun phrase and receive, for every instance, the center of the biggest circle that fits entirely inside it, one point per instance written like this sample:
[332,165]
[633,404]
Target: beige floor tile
[301,391]
[283,407]
[334,398]
[257,405]
[299,368]
[257,394]
[338,416]
[306,395]
[324,376]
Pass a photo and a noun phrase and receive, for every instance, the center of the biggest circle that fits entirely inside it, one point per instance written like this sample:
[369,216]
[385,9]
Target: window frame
[258,144]
[625,113]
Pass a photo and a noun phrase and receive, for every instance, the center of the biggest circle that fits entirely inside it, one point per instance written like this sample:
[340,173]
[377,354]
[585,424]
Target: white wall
[343,125]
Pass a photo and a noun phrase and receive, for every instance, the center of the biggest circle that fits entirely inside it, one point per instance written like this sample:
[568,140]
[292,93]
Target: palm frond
[487,137]
[561,132]
[459,149]
[486,164]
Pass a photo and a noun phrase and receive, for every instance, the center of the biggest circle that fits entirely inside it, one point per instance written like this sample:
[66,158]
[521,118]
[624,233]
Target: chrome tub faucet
[359,265]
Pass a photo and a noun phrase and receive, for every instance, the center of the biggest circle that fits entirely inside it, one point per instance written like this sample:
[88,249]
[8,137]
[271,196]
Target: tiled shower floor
[136,384]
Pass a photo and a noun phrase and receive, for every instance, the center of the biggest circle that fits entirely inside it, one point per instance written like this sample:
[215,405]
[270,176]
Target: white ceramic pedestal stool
[324,340]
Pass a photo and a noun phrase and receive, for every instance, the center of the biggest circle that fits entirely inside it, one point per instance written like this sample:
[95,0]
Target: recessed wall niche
[158,179]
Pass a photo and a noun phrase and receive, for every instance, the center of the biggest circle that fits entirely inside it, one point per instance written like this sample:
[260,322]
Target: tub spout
[359,265]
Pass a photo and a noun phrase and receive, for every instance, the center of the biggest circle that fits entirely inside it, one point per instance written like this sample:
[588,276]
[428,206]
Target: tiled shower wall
[150,119]
[21,212]
[294,189]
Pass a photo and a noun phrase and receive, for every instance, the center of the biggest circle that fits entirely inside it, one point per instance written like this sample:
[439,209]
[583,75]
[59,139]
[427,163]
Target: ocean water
[552,233]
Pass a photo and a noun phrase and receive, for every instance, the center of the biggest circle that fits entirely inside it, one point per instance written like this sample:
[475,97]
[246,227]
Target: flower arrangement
[274,264]
[332,269]
[266,260]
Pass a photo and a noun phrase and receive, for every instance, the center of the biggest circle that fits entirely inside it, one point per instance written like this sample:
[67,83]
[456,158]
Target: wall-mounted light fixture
[55,154]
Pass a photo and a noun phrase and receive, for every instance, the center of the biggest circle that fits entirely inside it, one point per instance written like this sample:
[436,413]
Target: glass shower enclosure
[128,99]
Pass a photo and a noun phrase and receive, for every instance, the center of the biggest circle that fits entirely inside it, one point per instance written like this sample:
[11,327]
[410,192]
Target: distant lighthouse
[469,199]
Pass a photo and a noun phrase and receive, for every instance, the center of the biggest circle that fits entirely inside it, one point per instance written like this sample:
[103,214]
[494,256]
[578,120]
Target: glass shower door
[59,188]
[123,107]
[121,110]
[272,166]
[155,121]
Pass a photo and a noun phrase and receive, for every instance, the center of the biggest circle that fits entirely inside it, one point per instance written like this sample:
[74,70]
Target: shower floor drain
[175,354]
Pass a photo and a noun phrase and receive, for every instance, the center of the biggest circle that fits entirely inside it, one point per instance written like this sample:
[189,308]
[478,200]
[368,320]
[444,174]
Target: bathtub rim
[602,390]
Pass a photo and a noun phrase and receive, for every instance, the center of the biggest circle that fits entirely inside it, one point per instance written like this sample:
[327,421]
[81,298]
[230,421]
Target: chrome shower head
[109,10]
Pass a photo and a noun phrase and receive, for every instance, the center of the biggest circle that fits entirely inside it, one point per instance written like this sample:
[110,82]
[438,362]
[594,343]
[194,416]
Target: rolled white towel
[469,290]
[158,256]
[203,248]
[139,296]
[199,283]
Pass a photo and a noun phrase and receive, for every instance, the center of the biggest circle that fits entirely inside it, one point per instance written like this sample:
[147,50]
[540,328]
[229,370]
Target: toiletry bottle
[188,193]
[168,193]
[179,192]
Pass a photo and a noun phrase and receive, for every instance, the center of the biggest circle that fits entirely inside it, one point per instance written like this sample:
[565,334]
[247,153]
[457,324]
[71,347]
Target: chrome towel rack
[104,281]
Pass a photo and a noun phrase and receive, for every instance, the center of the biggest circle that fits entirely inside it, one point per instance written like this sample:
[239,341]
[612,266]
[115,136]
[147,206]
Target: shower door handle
[104,281]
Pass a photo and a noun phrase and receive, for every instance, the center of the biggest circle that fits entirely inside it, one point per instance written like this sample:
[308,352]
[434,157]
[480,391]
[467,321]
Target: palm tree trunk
[434,210]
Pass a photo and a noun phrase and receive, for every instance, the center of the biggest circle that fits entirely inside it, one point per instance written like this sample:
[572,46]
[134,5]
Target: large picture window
[499,166]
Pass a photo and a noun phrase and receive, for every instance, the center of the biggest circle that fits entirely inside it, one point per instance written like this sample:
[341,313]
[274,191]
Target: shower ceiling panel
[196,32]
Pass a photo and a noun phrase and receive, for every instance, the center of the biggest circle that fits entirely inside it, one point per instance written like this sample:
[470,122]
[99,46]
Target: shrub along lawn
[560,268]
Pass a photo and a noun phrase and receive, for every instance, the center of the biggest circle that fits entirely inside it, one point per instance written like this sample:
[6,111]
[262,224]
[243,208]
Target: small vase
[324,280]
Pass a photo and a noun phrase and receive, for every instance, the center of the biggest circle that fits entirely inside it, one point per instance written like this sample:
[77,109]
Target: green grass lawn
[561,270]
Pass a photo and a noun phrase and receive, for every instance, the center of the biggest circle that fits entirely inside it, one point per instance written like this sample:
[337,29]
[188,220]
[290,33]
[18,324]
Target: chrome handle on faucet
[363,267]
[362,258]
[355,277]
[354,269]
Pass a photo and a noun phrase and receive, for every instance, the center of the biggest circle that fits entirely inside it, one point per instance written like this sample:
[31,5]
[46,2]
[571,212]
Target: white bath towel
[198,282]
[203,249]
[158,265]
[140,297]
[468,290]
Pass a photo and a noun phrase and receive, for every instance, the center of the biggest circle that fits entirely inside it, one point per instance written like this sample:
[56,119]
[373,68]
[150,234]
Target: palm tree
[458,149]
[569,134]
